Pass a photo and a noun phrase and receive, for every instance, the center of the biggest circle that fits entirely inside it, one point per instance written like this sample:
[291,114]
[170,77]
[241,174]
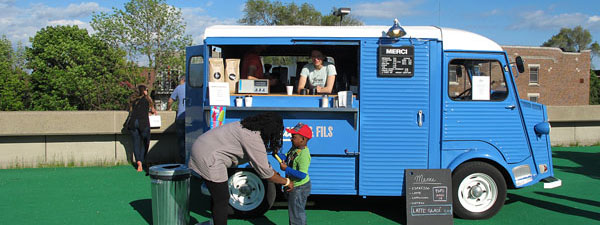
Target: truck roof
[452,39]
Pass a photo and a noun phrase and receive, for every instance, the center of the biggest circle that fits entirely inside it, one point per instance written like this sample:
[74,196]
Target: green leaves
[149,28]
[594,88]
[573,40]
[72,70]
[13,84]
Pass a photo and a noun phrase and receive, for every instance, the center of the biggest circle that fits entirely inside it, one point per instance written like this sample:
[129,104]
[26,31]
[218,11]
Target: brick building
[553,77]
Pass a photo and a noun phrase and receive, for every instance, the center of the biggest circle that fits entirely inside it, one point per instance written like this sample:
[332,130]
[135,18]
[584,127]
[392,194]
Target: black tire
[477,200]
[256,209]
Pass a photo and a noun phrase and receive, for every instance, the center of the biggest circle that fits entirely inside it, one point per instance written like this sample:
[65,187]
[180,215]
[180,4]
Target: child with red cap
[295,165]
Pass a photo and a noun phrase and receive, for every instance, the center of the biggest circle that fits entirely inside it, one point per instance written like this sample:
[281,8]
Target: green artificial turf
[120,195]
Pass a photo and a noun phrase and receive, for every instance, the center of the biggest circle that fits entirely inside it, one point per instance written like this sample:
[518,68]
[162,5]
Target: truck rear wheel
[250,196]
[479,190]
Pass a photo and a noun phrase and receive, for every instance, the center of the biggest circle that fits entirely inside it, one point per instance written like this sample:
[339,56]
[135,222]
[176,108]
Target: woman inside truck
[319,74]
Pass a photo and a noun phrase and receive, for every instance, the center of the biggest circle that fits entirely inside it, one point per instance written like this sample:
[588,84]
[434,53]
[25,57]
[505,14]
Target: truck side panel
[391,138]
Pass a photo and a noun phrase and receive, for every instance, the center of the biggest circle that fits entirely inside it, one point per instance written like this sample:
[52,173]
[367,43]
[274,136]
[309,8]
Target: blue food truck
[421,97]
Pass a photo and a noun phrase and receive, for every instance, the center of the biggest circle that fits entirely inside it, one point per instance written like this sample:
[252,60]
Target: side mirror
[520,66]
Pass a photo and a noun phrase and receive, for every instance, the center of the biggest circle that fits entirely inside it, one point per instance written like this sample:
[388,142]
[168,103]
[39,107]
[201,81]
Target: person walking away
[179,96]
[139,124]
[295,164]
[233,144]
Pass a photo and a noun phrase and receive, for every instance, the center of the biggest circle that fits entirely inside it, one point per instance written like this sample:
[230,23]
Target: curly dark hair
[270,126]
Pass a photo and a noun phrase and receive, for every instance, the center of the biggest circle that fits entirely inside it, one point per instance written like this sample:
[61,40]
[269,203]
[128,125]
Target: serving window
[281,65]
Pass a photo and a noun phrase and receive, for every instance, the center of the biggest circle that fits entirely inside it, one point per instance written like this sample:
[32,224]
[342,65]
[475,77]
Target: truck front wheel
[250,196]
[478,189]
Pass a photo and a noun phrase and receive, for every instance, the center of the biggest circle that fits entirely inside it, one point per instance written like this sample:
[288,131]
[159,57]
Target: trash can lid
[169,170]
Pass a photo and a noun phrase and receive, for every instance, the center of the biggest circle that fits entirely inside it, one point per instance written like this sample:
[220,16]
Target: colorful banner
[217,116]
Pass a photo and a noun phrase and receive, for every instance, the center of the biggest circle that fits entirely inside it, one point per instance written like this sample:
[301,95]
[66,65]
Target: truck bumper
[551,182]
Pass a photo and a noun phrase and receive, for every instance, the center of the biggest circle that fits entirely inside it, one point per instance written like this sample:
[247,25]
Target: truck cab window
[196,70]
[465,75]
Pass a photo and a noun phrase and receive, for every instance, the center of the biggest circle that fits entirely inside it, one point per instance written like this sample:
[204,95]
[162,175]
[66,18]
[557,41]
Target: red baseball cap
[301,129]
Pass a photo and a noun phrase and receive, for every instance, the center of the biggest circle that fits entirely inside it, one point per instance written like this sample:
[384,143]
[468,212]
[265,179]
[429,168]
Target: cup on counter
[239,102]
[313,91]
[248,101]
[324,101]
[289,89]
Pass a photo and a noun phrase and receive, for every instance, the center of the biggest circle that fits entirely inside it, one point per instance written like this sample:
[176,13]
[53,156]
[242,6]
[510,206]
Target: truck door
[480,105]
[194,94]
[394,114]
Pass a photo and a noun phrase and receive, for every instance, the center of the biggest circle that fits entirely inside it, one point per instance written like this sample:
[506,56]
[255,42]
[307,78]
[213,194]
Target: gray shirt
[317,77]
[228,146]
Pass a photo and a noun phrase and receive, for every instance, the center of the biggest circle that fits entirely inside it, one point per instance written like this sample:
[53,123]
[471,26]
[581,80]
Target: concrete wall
[574,125]
[78,138]
[34,139]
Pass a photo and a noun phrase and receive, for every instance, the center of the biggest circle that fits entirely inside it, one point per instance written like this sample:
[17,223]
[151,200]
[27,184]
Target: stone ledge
[574,113]
[31,123]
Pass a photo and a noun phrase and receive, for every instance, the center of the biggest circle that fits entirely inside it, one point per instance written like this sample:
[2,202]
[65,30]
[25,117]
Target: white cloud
[541,20]
[492,12]
[386,10]
[196,22]
[20,23]
[72,10]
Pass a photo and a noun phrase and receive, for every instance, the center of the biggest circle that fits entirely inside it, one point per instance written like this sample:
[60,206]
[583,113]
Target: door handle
[348,153]
[510,107]
[420,118]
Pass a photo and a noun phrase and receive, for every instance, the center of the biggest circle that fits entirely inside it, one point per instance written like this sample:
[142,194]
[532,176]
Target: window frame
[534,95]
[467,76]
[196,81]
[537,80]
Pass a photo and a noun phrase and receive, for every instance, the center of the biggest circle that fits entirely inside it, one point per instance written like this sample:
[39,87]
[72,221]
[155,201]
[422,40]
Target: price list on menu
[396,61]
[428,196]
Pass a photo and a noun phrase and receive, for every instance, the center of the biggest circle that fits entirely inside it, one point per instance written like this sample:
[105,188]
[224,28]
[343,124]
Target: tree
[72,70]
[13,86]
[265,12]
[150,28]
[594,88]
[573,40]
[577,40]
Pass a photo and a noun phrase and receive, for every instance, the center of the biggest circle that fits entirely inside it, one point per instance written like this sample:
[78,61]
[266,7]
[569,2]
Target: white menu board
[481,88]
[218,93]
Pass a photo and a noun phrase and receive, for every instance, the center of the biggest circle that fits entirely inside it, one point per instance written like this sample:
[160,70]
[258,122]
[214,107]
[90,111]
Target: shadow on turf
[588,162]
[580,200]
[392,208]
[552,206]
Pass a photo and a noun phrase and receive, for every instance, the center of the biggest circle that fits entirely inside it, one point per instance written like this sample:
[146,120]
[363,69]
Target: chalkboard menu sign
[428,196]
[396,61]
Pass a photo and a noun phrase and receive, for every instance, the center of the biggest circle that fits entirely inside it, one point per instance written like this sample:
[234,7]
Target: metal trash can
[170,194]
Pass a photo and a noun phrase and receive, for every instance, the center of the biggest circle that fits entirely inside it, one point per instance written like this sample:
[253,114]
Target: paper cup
[248,101]
[289,89]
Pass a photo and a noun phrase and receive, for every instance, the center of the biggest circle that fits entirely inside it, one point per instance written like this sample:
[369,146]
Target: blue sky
[508,22]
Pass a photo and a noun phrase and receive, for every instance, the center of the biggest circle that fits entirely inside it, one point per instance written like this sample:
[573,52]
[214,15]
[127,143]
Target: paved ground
[119,195]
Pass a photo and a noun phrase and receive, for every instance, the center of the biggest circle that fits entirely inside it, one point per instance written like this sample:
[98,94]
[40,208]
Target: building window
[534,97]
[534,74]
